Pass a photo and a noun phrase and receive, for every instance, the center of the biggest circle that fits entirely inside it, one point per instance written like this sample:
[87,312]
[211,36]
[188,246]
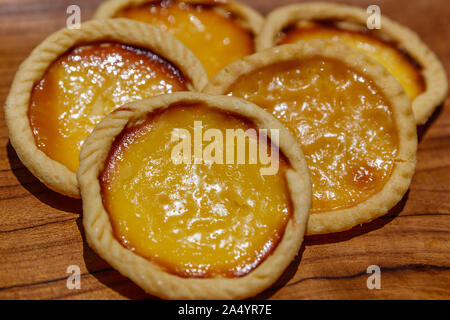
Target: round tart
[75,77]
[218,32]
[396,47]
[193,229]
[351,117]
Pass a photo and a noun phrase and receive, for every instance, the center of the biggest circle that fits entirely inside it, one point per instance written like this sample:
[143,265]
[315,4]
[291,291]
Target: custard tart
[397,48]
[193,229]
[217,32]
[352,118]
[77,76]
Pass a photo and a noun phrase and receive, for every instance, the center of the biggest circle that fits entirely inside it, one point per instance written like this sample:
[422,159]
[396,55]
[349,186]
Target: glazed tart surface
[87,83]
[196,229]
[217,32]
[197,220]
[403,68]
[395,47]
[342,120]
[77,76]
[356,135]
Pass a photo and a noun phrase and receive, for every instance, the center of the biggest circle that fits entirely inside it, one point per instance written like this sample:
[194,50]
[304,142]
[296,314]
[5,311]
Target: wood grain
[41,233]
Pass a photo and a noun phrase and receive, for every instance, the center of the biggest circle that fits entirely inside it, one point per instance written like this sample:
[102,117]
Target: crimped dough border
[152,277]
[436,84]
[398,184]
[52,173]
[248,17]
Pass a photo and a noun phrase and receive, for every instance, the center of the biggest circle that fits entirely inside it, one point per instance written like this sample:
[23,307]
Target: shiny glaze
[341,119]
[200,220]
[217,39]
[406,71]
[84,85]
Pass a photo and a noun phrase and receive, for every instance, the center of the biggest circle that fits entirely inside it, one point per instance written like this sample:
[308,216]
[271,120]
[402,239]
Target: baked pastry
[193,229]
[351,117]
[396,47]
[218,32]
[76,76]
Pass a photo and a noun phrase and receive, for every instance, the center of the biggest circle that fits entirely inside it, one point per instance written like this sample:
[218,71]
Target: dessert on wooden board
[192,231]
[92,111]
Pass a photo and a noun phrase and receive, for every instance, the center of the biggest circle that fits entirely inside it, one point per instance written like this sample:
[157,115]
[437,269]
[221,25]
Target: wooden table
[41,232]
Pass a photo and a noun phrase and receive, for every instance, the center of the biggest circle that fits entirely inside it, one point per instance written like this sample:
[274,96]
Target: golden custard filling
[84,85]
[195,219]
[401,66]
[342,120]
[216,37]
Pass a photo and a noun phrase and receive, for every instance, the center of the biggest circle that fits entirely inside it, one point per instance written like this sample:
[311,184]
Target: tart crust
[53,174]
[149,275]
[248,17]
[433,72]
[399,181]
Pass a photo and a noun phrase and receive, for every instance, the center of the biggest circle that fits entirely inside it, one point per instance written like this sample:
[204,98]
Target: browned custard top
[401,66]
[342,120]
[84,85]
[196,220]
[215,36]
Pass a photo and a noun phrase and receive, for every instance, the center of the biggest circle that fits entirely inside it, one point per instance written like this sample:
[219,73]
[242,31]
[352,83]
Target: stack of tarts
[91,113]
